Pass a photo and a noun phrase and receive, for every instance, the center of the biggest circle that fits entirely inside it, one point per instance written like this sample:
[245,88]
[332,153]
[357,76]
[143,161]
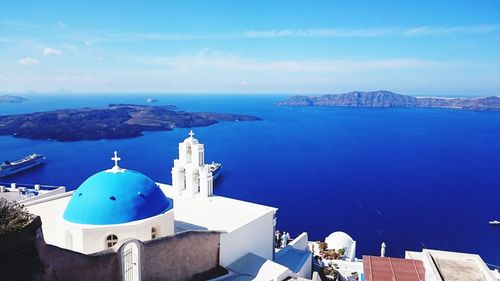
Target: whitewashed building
[112,205]
[341,240]
[119,205]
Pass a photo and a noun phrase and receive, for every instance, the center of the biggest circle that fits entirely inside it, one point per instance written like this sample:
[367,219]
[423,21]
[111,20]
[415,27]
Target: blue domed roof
[116,197]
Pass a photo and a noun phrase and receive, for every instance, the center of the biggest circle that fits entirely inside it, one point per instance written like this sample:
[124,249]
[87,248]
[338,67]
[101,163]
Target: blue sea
[412,178]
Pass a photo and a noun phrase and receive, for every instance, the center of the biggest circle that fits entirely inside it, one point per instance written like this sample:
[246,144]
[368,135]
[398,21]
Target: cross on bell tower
[191,133]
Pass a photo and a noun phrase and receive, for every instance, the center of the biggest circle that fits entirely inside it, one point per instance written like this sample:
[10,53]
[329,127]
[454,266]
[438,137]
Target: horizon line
[229,93]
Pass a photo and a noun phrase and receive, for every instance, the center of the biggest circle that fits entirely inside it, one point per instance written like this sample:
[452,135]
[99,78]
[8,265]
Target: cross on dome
[116,159]
[191,133]
[116,168]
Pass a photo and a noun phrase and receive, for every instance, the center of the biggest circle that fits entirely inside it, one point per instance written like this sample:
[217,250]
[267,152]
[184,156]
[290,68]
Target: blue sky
[419,48]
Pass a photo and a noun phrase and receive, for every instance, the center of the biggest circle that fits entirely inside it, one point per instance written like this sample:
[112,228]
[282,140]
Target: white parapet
[297,257]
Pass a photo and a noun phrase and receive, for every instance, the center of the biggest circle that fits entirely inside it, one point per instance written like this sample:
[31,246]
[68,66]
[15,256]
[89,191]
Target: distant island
[12,99]
[112,122]
[390,99]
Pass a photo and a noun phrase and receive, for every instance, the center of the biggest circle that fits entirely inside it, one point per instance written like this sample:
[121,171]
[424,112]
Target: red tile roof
[392,269]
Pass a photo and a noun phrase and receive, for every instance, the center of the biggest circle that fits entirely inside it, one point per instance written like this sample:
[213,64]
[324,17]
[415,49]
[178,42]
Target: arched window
[153,233]
[111,240]
[188,154]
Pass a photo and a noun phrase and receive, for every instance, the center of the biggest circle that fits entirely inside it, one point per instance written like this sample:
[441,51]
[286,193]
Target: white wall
[50,212]
[44,195]
[256,237]
[90,239]
[306,270]
[300,243]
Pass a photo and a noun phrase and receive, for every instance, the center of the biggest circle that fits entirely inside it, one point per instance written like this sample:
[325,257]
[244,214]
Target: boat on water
[215,168]
[8,168]
[495,222]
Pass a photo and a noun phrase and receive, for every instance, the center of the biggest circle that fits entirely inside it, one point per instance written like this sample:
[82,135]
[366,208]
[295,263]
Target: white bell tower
[190,175]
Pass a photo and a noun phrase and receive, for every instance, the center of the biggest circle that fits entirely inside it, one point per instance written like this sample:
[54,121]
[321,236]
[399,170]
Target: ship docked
[8,168]
[215,169]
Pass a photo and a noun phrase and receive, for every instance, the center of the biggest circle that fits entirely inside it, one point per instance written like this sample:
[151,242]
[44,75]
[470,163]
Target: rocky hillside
[390,99]
[112,122]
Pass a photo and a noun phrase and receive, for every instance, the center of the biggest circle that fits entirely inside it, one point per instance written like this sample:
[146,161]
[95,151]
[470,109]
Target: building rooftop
[456,266]
[11,195]
[292,258]
[395,269]
[213,213]
[338,240]
[27,192]
[346,268]
[253,267]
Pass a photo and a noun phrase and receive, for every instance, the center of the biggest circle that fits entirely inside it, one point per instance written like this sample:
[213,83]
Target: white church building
[118,204]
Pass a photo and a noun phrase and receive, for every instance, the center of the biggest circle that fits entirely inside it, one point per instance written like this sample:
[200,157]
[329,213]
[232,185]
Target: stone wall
[180,257]
[62,264]
[24,255]
[19,258]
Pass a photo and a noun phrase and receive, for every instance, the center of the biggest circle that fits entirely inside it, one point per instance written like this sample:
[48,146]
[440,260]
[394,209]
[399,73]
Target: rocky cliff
[390,99]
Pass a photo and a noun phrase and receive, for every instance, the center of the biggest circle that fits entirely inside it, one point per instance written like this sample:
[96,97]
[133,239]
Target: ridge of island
[390,99]
[12,99]
[115,121]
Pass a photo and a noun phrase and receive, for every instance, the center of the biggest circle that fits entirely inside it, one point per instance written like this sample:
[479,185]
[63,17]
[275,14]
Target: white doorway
[131,262]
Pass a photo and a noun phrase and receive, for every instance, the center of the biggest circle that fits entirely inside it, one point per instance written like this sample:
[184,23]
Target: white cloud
[215,71]
[216,61]
[52,52]
[70,47]
[96,36]
[367,32]
[22,24]
[211,71]
[372,32]
[418,31]
[440,30]
[73,78]
[28,61]
[89,38]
